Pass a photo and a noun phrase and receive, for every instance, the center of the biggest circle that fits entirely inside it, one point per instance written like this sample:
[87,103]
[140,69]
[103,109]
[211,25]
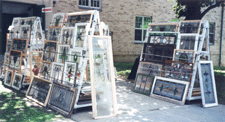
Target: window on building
[212,33]
[90,4]
[141,25]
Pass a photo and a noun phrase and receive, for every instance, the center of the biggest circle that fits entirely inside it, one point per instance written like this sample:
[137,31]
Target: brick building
[127,20]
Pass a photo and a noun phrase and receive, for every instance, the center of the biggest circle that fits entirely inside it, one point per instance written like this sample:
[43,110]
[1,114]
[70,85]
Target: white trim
[89,5]
[65,69]
[55,63]
[142,29]
[167,98]
[60,52]
[85,36]
[80,56]
[17,88]
[213,83]
[9,70]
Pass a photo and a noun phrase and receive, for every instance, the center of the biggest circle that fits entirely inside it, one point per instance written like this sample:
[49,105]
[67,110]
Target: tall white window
[141,25]
[90,4]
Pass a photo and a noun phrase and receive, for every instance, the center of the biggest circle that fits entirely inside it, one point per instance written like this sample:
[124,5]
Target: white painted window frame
[17,74]
[89,5]
[143,21]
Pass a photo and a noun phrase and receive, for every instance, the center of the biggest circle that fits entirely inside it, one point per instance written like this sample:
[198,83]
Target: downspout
[221,36]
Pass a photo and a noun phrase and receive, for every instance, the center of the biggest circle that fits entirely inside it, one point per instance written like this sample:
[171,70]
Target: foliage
[14,108]
[192,9]
[123,69]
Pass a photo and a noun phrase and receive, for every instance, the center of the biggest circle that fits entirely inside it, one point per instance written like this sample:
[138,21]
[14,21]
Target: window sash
[90,4]
[143,22]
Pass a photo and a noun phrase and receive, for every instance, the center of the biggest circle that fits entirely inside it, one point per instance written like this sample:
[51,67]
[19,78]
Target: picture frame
[164,27]
[67,36]
[58,20]
[62,99]
[21,45]
[8,77]
[63,53]
[76,55]
[54,33]
[178,70]
[162,38]
[186,56]
[70,74]
[6,59]
[190,26]
[14,33]
[188,42]
[100,55]
[45,72]
[81,32]
[57,72]
[39,90]
[25,31]
[50,51]
[207,84]
[149,68]
[30,21]
[8,46]
[170,90]
[79,17]
[143,83]
[23,21]
[157,53]
[16,21]
[35,62]
[17,81]
[15,59]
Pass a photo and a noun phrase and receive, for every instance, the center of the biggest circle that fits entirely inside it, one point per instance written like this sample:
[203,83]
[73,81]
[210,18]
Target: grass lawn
[14,108]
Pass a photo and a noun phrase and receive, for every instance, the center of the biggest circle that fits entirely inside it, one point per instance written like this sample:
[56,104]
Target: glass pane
[146,21]
[138,34]
[144,35]
[211,38]
[211,27]
[138,22]
[86,2]
[80,35]
[102,76]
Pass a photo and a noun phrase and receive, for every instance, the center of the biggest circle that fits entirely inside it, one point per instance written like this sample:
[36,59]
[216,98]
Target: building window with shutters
[141,25]
[212,33]
[90,4]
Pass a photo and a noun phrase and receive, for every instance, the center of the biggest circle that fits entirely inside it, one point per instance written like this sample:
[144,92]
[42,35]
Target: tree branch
[211,7]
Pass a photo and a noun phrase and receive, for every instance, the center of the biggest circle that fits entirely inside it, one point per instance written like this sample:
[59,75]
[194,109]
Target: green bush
[120,66]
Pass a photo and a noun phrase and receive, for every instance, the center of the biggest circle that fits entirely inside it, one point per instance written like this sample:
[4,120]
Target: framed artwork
[15,59]
[8,77]
[149,68]
[171,90]
[57,72]
[102,76]
[67,36]
[45,70]
[70,74]
[188,42]
[207,84]
[54,33]
[6,59]
[39,90]
[50,51]
[58,19]
[81,32]
[8,46]
[157,53]
[143,83]
[23,21]
[168,27]
[79,17]
[35,61]
[16,21]
[25,31]
[178,70]
[162,38]
[76,55]
[192,26]
[62,98]
[30,21]
[21,45]
[186,56]
[14,33]
[17,81]
[63,53]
